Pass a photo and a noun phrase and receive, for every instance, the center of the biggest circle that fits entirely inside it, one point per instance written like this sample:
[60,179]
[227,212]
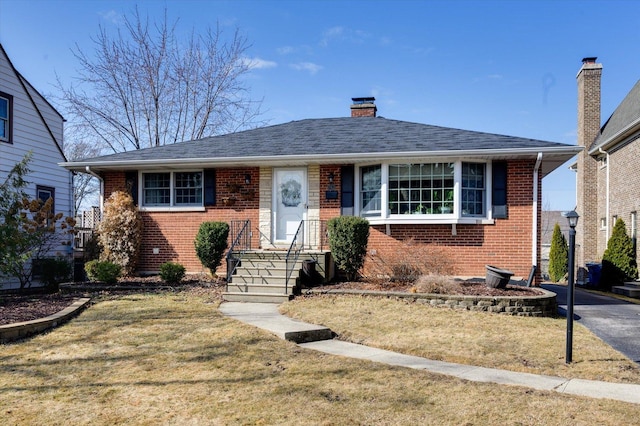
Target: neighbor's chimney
[587,233]
[363,107]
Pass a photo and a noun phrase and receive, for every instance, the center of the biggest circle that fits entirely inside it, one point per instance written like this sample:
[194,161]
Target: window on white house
[473,189]
[421,188]
[5,117]
[371,190]
[172,189]
[44,193]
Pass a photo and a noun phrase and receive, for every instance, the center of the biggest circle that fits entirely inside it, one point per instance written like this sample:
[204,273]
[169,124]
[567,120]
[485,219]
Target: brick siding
[506,243]
[587,231]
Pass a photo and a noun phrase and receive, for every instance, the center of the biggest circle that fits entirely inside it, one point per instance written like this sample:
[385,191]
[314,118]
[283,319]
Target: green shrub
[619,260]
[211,243]
[172,273]
[54,270]
[106,272]
[558,256]
[348,238]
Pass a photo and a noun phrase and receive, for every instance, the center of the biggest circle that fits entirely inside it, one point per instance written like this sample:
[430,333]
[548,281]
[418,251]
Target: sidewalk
[267,317]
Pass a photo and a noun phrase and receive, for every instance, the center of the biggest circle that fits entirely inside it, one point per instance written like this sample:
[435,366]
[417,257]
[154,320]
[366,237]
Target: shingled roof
[332,140]
[625,117]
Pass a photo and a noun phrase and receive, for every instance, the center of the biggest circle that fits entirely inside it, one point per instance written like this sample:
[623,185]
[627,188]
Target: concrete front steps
[629,289]
[261,276]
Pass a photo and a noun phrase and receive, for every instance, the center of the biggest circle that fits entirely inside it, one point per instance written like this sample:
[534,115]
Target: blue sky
[505,67]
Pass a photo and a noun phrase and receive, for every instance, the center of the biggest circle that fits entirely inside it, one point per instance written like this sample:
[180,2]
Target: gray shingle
[331,136]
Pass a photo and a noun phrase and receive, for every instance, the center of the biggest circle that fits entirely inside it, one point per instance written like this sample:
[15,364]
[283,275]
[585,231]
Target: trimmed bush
[619,261]
[211,243]
[348,239]
[172,273]
[558,255]
[106,272]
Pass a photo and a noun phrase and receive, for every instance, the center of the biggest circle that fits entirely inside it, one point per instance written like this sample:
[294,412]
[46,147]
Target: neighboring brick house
[476,195]
[28,123]
[608,170]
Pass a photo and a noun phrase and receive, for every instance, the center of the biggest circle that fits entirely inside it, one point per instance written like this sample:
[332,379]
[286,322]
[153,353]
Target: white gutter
[316,158]
[534,239]
[607,208]
[97,176]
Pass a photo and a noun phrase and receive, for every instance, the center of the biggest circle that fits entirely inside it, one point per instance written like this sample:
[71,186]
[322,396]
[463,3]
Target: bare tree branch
[142,87]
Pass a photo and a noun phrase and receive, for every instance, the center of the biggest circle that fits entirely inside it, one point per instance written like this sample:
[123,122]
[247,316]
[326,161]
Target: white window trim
[414,219]
[171,207]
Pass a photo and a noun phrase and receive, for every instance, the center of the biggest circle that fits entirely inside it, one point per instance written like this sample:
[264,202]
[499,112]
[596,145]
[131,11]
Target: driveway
[614,321]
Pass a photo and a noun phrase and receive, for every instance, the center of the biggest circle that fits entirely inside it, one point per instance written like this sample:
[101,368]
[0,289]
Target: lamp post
[572,217]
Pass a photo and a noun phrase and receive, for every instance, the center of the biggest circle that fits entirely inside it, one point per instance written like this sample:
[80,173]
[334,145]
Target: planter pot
[496,277]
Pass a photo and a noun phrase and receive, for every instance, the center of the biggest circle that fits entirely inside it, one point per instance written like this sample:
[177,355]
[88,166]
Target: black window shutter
[499,190]
[346,189]
[210,187]
[131,182]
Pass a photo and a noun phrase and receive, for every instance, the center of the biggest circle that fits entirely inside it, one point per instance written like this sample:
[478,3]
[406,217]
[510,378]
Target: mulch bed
[16,308]
[467,288]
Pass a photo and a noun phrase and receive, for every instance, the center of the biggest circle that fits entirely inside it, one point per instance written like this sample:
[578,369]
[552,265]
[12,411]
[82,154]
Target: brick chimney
[363,107]
[588,80]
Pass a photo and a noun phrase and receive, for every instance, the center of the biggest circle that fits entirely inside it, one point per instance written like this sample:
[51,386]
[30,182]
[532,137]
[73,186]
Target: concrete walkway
[267,317]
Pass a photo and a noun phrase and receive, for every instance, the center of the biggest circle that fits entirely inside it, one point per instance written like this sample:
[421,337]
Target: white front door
[289,202]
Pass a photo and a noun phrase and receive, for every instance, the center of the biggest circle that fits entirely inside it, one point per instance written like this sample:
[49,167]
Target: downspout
[534,237]
[97,176]
[607,209]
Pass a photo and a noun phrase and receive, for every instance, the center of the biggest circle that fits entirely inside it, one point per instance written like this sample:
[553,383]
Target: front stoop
[261,277]
[629,289]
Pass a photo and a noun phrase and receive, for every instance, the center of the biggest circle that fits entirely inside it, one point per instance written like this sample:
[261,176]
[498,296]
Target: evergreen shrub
[619,260]
[172,273]
[106,272]
[211,243]
[558,256]
[348,239]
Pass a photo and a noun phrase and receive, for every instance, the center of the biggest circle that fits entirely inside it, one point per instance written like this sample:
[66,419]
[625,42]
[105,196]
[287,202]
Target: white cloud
[331,34]
[259,64]
[343,34]
[111,16]
[285,50]
[307,66]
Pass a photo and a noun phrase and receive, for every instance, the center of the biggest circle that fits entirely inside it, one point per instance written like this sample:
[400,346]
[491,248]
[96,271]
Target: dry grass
[532,345]
[173,359]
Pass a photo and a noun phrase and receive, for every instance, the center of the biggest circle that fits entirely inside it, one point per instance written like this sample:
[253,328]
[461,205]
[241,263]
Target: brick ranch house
[608,169]
[475,195]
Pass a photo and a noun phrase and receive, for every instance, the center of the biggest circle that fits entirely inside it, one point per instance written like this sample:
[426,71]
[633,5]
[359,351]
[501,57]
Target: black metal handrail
[294,250]
[241,243]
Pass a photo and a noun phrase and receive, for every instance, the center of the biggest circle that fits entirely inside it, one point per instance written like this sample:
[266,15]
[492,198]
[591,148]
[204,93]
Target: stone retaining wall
[11,332]
[544,305]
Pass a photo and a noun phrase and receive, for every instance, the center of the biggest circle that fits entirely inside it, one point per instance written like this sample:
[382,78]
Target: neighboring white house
[28,123]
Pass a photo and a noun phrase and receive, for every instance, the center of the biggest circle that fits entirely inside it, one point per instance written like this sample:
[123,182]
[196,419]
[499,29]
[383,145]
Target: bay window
[167,189]
[449,191]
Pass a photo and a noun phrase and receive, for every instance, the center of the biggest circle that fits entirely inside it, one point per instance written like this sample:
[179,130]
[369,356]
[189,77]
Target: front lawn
[172,358]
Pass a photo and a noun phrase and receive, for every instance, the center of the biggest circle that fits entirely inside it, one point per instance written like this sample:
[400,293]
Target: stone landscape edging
[544,305]
[20,330]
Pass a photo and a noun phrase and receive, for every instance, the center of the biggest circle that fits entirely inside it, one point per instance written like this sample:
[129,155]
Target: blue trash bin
[595,269]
